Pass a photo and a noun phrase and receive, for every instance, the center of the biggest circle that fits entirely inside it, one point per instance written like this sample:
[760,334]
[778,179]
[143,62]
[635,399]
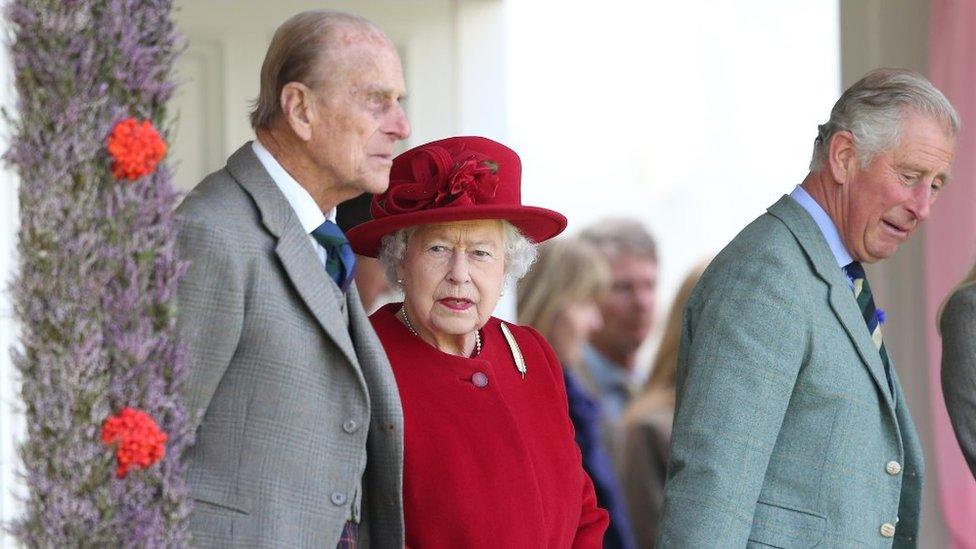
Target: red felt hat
[454,179]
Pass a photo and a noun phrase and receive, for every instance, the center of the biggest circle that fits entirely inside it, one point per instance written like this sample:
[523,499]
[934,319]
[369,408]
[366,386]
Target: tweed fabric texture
[784,422]
[288,398]
[958,326]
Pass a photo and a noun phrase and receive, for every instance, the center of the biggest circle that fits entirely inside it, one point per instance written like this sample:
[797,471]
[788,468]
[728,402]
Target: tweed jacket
[958,326]
[288,385]
[786,433]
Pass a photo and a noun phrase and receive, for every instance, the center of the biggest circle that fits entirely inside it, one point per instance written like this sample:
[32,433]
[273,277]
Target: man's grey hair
[294,55]
[520,253]
[619,237]
[873,109]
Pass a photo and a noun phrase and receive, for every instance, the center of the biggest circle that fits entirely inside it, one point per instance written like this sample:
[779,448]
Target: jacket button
[480,380]
[338,498]
[888,530]
[350,426]
[893,468]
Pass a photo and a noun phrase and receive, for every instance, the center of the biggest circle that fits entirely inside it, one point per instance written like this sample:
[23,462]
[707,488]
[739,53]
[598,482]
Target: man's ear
[297,106]
[842,157]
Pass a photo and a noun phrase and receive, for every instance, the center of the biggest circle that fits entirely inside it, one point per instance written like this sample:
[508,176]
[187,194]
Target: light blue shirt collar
[827,227]
[308,212]
[612,380]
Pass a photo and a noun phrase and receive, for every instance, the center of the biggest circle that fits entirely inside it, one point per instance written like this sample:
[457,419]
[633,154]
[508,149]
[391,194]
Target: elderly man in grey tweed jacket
[299,426]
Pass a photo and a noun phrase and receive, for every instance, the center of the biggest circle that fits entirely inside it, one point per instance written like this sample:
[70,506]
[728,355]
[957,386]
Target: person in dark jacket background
[958,329]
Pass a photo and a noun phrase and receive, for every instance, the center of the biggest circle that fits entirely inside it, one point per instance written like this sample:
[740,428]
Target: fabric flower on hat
[139,440]
[443,178]
[136,149]
[472,182]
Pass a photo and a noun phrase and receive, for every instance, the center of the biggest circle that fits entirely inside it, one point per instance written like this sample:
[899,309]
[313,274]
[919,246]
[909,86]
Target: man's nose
[921,203]
[397,125]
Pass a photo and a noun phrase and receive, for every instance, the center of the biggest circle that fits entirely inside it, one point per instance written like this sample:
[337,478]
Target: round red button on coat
[480,380]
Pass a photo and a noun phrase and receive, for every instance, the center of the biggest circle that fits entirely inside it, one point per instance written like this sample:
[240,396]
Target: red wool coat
[488,464]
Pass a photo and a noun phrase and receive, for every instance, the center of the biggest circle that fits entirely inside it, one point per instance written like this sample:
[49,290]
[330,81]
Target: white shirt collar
[826,225]
[309,214]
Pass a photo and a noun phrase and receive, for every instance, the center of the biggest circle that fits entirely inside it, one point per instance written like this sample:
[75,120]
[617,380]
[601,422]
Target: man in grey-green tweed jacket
[791,428]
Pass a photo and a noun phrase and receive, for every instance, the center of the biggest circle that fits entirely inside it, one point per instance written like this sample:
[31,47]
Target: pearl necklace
[406,321]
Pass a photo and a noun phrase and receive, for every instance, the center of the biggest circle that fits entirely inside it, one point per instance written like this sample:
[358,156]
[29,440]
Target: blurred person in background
[558,297]
[489,456]
[609,360]
[374,288]
[958,328]
[646,426]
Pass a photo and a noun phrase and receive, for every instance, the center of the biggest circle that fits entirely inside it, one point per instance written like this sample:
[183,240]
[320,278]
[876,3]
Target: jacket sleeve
[210,309]
[593,520]
[958,325]
[743,344]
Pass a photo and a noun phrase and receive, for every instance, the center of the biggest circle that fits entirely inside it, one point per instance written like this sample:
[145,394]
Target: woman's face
[452,278]
[572,328]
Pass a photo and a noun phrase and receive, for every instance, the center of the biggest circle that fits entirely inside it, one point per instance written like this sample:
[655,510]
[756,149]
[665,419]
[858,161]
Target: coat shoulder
[219,201]
[765,255]
[961,305]
[530,340]
[220,217]
[767,241]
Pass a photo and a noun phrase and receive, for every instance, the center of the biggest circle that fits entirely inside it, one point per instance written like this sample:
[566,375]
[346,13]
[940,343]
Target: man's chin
[377,184]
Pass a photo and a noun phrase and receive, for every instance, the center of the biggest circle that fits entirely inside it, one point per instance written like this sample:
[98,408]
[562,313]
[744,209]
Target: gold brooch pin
[516,352]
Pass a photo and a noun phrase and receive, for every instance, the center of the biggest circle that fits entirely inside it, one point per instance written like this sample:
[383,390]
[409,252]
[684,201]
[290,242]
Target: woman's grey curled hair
[872,110]
[520,253]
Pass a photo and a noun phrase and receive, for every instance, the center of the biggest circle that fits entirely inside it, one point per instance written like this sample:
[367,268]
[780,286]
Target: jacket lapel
[841,298]
[293,249]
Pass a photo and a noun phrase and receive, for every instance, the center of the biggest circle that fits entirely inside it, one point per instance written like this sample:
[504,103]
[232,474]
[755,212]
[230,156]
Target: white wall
[691,116]
[435,38]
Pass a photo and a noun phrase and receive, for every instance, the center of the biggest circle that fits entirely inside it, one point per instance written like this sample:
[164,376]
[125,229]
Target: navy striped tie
[340,261]
[862,293]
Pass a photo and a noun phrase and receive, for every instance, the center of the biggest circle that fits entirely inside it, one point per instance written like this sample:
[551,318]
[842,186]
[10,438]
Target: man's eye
[379,101]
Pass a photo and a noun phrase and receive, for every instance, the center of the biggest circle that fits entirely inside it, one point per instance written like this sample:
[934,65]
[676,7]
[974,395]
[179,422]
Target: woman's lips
[456,304]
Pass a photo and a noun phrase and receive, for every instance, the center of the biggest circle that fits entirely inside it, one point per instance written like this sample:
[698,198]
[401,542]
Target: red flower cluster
[471,182]
[140,441]
[441,178]
[136,148]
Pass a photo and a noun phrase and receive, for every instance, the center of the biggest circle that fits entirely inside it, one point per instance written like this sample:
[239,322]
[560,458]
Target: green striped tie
[862,293]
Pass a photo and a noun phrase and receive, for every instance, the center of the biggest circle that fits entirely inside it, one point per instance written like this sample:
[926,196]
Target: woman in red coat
[489,456]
